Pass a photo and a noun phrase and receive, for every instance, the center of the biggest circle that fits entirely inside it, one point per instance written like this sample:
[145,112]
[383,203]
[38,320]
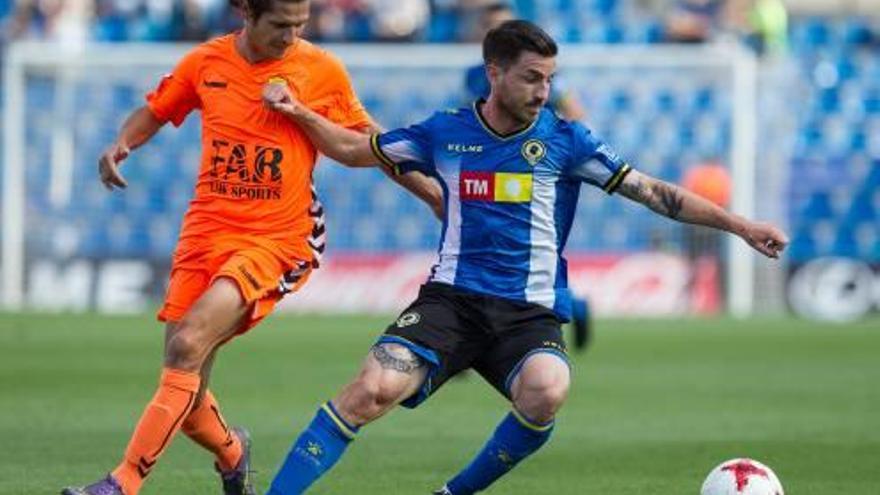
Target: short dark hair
[257,8]
[504,44]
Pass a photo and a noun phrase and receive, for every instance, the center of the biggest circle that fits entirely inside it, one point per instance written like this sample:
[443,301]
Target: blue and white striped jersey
[510,200]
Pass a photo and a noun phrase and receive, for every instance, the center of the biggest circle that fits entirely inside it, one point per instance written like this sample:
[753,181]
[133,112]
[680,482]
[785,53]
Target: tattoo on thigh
[407,363]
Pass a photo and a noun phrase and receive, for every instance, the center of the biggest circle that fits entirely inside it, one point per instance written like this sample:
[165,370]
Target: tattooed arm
[684,206]
[347,146]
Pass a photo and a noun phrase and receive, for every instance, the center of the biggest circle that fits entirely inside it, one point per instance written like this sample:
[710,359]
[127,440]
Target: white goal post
[65,65]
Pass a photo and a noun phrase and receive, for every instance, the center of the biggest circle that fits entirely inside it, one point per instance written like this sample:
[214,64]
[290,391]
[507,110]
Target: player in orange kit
[254,229]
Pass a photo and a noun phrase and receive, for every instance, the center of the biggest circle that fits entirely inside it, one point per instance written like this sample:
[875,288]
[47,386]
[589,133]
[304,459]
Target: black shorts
[454,330]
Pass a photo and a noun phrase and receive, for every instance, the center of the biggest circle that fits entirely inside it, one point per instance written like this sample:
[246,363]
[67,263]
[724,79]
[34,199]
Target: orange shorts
[256,268]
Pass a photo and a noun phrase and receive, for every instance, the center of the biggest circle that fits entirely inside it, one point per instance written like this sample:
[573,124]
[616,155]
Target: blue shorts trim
[516,369]
[427,355]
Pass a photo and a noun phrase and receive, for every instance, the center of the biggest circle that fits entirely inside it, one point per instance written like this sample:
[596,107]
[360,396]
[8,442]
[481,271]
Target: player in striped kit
[511,172]
[565,102]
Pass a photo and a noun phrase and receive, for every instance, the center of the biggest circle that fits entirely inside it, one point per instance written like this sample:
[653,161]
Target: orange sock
[205,425]
[161,419]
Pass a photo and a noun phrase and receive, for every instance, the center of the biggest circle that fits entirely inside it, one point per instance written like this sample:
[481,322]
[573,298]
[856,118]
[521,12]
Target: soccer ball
[742,477]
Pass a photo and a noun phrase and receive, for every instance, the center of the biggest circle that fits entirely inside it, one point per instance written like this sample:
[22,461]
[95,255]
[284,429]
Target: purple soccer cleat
[107,486]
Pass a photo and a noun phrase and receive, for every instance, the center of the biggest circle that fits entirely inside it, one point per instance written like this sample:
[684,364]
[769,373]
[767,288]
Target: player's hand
[277,96]
[765,238]
[108,166]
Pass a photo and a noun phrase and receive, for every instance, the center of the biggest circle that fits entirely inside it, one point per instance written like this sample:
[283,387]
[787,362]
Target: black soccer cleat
[106,486]
[238,481]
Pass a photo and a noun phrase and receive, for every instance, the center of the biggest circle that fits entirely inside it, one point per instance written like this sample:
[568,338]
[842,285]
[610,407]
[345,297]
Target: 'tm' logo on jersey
[498,187]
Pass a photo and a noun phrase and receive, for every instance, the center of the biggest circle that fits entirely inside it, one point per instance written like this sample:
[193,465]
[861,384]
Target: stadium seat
[801,249]
[872,101]
[818,207]
[856,31]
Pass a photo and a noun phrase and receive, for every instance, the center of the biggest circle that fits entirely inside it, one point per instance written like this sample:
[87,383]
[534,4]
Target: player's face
[278,28]
[524,87]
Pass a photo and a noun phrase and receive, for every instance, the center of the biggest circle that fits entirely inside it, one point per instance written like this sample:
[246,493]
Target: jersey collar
[265,62]
[493,132]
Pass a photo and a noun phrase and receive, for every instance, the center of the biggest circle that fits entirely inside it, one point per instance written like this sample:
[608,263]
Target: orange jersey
[256,166]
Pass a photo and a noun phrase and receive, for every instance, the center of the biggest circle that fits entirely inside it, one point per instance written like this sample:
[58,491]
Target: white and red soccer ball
[742,477]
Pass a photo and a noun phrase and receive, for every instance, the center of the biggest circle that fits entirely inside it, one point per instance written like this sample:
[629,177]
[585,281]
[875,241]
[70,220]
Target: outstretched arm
[682,205]
[348,147]
[138,128]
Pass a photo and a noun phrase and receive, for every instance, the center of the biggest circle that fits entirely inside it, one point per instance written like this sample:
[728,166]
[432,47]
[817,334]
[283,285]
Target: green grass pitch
[654,406]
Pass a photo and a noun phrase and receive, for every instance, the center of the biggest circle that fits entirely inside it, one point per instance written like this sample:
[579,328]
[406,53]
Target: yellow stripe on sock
[528,424]
[339,423]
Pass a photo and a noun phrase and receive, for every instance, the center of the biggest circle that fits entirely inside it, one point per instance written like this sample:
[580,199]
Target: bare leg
[538,392]
[190,345]
[390,374]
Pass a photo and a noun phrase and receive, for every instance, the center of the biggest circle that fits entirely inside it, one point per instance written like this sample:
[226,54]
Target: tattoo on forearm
[408,364]
[657,195]
[634,190]
[669,201]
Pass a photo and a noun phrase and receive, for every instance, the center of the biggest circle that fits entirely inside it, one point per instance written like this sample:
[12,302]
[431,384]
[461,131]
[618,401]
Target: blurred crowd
[763,22]
[192,20]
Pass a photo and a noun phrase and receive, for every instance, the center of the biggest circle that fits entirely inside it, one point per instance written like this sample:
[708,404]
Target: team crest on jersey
[408,319]
[533,150]
[277,80]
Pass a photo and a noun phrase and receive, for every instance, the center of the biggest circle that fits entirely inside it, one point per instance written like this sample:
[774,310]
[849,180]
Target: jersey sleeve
[335,99]
[406,149]
[594,162]
[176,96]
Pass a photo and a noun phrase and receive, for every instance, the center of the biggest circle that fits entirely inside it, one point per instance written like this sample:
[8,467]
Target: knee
[542,392]
[553,397]
[542,403]
[186,348]
[370,396]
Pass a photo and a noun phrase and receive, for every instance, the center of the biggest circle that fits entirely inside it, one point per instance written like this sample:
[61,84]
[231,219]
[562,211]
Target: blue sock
[515,439]
[315,451]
